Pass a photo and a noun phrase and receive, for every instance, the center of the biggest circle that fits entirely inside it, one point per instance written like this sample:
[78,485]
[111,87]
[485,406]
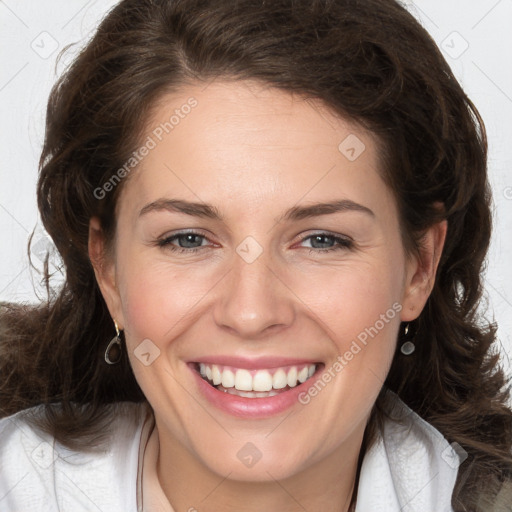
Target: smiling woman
[273,305]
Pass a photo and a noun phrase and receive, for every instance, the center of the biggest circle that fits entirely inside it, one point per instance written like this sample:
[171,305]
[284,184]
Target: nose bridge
[253,297]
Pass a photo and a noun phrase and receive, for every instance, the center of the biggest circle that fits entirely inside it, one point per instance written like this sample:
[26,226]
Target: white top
[411,468]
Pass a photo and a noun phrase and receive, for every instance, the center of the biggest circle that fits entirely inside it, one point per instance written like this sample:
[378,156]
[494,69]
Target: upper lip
[254,363]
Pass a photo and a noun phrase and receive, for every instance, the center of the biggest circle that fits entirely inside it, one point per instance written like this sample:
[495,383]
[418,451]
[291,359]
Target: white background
[476,39]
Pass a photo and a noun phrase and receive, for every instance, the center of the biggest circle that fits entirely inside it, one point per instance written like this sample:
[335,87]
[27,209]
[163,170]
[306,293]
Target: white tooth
[216,375]
[243,380]
[279,379]
[208,373]
[303,374]
[262,381]
[292,377]
[311,370]
[228,379]
[202,369]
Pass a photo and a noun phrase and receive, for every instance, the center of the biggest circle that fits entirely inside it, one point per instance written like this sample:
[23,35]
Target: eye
[184,242]
[326,242]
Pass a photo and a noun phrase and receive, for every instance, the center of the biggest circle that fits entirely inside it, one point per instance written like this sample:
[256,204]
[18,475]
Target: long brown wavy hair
[370,62]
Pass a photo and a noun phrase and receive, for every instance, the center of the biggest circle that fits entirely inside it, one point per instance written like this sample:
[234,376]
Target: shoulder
[38,473]
[410,467]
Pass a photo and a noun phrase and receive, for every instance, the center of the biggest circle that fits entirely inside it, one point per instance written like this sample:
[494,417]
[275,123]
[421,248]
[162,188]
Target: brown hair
[367,60]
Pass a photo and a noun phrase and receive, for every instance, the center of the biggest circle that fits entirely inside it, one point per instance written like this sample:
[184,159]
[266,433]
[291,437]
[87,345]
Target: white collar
[410,468]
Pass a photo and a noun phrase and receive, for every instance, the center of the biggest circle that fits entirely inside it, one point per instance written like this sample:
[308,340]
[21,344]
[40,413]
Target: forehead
[245,140]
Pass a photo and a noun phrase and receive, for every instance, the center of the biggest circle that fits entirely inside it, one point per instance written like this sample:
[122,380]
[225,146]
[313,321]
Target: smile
[253,388]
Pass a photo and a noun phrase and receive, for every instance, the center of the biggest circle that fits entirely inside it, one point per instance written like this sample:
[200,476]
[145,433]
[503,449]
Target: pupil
[190,241]
[321,241]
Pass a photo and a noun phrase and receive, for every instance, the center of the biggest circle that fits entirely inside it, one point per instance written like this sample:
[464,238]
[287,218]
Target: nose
[254,300]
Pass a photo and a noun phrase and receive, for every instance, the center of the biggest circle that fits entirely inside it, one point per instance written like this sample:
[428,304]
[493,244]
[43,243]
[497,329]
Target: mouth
[256,383]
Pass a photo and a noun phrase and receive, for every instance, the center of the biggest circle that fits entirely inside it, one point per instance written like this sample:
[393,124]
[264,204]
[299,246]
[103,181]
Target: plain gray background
[474,36]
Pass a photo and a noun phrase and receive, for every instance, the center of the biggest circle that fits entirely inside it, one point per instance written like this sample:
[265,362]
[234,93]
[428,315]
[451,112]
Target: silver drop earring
[114,349]
[408,347]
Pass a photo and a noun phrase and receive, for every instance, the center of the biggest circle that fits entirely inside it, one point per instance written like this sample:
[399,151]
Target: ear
[421,271]
[104,270]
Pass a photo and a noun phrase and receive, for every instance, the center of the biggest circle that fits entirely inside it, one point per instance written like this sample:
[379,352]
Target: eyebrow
[177,205]
[208,211]
[318,209]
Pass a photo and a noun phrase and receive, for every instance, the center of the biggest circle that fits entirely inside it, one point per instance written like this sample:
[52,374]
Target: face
[257,243]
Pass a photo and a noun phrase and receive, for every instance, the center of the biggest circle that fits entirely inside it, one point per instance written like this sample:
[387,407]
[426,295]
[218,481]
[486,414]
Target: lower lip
[251,407]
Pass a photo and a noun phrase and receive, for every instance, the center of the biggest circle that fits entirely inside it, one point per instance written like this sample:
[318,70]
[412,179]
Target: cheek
[351,299]
[156,298]
[156,307]
[359,307]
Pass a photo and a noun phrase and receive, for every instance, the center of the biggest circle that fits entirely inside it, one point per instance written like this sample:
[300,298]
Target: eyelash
[343,242]
[166,242]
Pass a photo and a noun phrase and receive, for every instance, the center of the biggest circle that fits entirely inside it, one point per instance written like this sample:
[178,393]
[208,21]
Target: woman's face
[257,242]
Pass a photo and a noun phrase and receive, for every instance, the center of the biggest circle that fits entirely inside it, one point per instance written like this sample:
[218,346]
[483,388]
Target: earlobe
[422,271]
[104,269]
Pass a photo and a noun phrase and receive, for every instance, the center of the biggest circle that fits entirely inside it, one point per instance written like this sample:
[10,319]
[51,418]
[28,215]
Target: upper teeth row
[262,380]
